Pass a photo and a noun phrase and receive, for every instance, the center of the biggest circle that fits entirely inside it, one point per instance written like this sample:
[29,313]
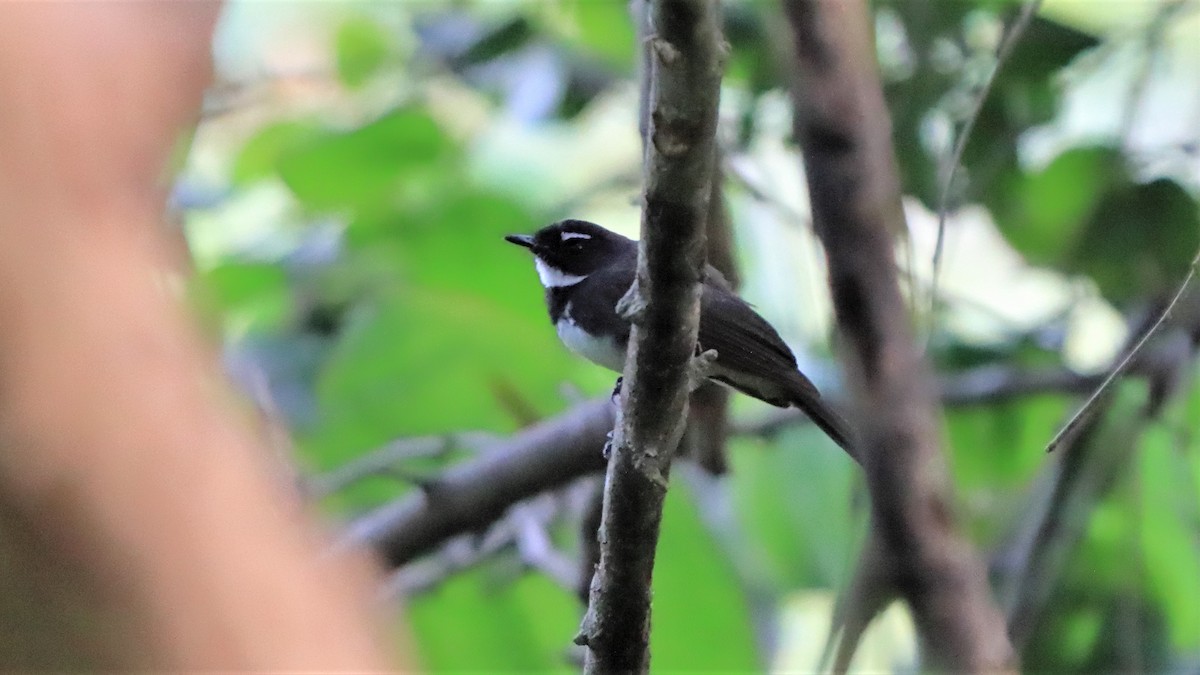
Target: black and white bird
[586,269]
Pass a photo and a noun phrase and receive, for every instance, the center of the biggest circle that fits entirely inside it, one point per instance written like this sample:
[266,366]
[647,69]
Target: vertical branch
[686,56]
[845,134]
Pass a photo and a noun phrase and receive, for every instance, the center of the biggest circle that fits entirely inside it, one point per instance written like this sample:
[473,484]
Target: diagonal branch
[686,56]
[472,495]
[845,134]
[1089,406]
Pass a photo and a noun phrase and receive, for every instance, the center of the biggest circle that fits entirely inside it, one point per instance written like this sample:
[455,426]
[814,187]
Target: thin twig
[523,528]
[960,146]
[1084,411]
[456,555]
[387,459]
[539,553]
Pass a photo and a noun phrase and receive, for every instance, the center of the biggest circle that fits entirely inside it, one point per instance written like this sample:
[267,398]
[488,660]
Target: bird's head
[568,251]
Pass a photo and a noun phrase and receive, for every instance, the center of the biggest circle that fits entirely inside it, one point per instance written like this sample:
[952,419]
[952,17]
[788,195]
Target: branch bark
[842,124]
[474,494]
[664,306]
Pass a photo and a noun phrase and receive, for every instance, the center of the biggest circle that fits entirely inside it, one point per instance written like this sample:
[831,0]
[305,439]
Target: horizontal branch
[548,455]
[984,385]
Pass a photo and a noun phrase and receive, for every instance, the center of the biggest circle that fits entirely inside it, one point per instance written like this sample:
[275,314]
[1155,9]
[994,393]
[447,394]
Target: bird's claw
[701,367]
[632,306]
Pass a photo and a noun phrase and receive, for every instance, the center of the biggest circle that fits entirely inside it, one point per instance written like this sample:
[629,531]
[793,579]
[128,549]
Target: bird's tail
[833,424]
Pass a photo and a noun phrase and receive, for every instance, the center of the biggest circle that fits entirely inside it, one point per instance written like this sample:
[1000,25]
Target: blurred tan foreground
[140,522]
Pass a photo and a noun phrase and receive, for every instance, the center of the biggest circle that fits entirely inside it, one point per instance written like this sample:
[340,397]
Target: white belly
[600,351]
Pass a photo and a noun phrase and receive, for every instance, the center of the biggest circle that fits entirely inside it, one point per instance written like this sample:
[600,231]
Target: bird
[586,269]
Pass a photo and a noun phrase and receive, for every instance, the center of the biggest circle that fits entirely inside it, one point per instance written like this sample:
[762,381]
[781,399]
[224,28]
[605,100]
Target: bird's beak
[520,240]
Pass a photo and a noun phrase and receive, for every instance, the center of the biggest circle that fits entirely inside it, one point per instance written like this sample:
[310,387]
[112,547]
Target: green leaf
[1046,47]
[473,622]
[361,47]
[1139,241]
[459,244]
[1168,537]
[604,29]
[256,295]
[700,619]
[1001,446]
[996,451]
[794,496]
[1054,206]
[428,360]
[1083,215]
[259,157]
[1025,93]
[368,167]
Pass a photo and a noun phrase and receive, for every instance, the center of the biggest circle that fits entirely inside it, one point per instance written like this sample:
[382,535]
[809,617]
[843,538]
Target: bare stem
[1084,412]
[950,170]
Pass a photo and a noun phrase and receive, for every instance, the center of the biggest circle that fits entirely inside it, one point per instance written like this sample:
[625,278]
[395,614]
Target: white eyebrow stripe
[552,277]
[566,236]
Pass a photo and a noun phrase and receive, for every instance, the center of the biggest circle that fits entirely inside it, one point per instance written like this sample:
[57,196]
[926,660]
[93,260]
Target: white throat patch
[552,277]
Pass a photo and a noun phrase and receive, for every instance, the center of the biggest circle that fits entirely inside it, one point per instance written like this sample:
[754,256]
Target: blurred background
[345,197]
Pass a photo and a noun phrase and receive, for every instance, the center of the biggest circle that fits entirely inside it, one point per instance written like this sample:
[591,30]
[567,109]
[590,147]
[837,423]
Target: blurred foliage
[378,300]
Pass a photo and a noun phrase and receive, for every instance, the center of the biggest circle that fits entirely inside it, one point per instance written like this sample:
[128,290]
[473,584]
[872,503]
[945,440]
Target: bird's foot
[701,367]
[632,306]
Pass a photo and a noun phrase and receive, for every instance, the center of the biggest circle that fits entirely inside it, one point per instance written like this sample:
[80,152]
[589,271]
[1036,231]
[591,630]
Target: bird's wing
[744,341]
[751,357]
